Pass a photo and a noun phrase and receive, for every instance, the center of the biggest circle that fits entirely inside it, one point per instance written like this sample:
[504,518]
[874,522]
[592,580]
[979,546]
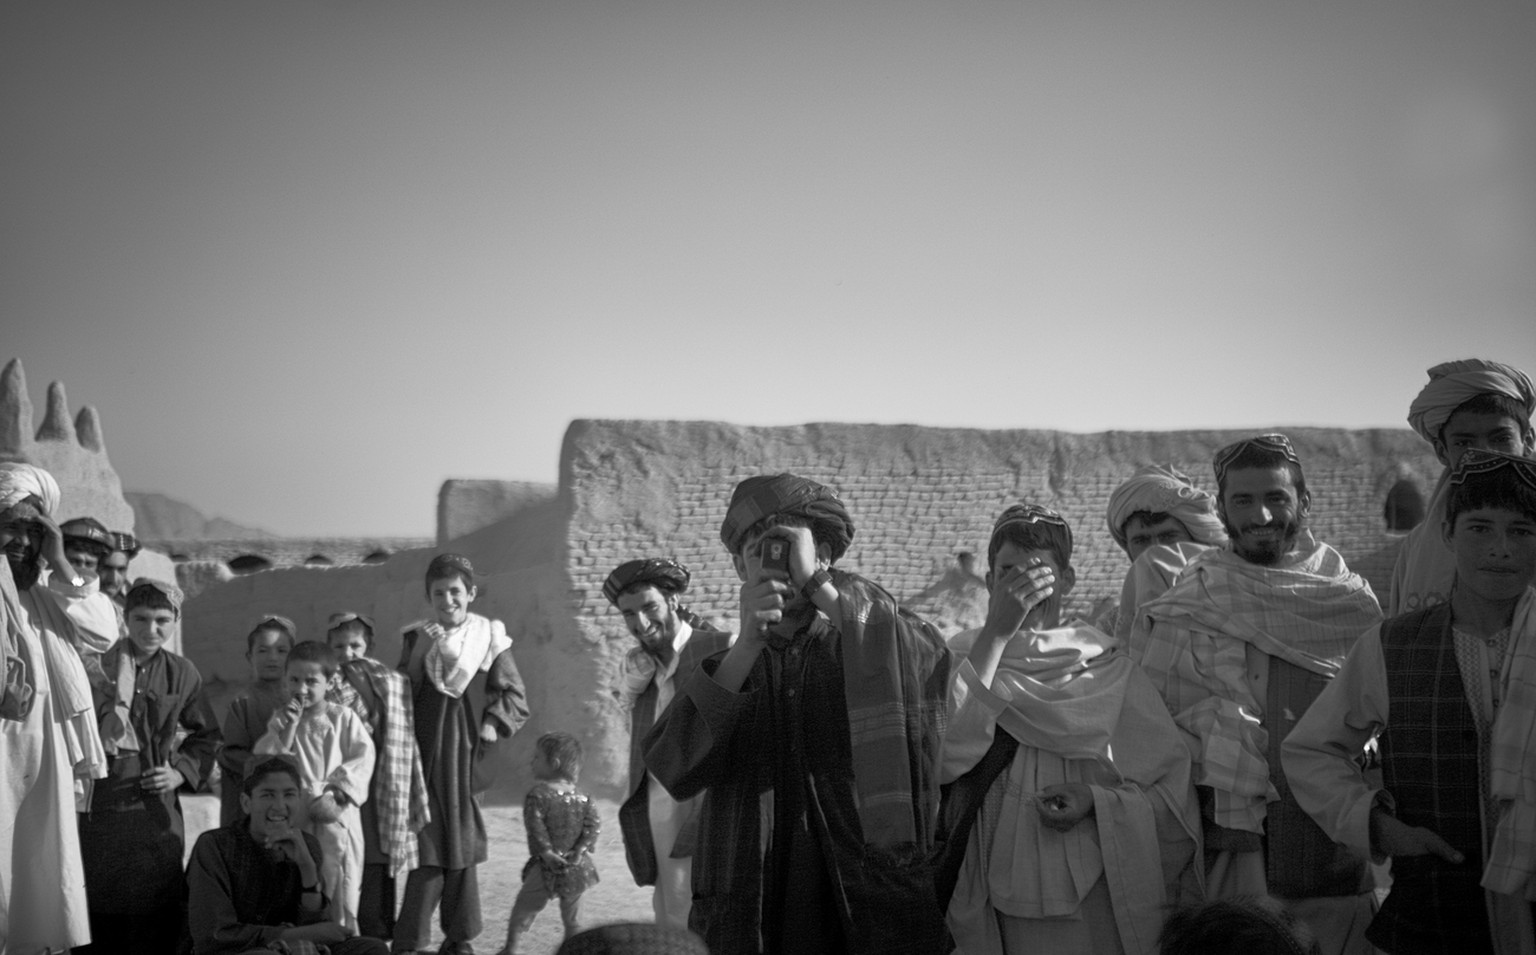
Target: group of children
[391,759]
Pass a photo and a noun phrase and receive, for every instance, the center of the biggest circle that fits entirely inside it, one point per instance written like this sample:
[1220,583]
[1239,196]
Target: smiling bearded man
[659,831]
[1239,647]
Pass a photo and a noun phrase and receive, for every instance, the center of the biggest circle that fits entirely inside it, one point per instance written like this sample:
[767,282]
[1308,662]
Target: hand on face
[1017,594]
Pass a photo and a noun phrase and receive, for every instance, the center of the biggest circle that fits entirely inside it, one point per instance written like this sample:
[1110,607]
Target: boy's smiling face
[450,598]
[1495,551]
[150,627]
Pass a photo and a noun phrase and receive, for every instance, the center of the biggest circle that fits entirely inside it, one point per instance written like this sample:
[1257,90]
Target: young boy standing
[266,649]
[335,757]
[563,825]
[467,695]
[1457,819]
[132,839]
[397,805]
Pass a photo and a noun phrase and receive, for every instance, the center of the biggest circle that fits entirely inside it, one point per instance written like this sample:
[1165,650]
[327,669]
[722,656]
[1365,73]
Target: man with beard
[47,731]
[817,736]
[659,831]
[1239,647]
[1157,512]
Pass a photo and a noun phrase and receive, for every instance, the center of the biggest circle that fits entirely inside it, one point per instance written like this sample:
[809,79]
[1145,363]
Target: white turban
[1455,382]
[20,481]
[1160,490]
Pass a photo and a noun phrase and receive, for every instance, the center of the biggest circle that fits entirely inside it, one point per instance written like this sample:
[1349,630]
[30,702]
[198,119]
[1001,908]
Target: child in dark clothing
[562,833]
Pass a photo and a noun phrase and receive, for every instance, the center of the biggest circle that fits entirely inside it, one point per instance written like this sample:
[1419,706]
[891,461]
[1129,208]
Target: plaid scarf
[1512,763]
[894,729]
[1308,612]
[399,788]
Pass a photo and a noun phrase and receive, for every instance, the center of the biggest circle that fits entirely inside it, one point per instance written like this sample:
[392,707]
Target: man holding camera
[817,736]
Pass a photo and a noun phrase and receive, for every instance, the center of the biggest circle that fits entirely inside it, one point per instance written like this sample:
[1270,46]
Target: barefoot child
[467,695]
[562,833]
[397,806]
[266,648]
[331,746]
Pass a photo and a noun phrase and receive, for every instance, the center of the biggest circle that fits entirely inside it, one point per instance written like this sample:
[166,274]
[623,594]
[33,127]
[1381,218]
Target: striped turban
[663,573]
[789,495]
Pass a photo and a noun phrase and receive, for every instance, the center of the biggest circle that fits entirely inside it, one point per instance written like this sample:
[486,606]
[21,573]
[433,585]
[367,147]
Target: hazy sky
[310,259]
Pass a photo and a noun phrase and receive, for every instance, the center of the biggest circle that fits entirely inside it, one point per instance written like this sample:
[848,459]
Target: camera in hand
[775,551]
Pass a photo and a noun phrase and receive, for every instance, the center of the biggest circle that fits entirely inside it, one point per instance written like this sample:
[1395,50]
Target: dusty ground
[615,899]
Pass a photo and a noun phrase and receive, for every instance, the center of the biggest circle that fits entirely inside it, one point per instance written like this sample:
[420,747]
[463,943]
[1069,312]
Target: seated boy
[266,649]
[397,806]
[256,881]
[132,839]
[1456,818]
[335,758]
[1072,795]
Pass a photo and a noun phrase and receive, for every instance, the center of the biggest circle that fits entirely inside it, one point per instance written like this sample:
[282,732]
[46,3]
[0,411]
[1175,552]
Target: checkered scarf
[399,788]
[1512,763]
[895,721]
[1308,612]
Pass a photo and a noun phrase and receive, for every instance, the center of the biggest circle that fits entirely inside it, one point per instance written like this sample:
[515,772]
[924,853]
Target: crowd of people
[1214,765]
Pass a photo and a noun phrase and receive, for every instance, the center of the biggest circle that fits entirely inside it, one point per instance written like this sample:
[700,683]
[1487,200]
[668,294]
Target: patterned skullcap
[20,481]
[88,529]
[260,765]
[1274,445]
[170,592]
[789,494]
[1476,463]
[125,542]
[276,621]
[1045,521]
[451,565]
[1454,382]
[344,617]
[665,574]
[1160,490]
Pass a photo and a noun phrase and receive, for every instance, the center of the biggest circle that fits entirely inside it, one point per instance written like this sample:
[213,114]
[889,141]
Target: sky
[310,259]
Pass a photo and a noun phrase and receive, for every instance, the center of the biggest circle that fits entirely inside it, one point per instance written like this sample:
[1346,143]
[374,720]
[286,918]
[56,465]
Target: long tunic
[452,752]
[42,880]
[243,725]
[132,840]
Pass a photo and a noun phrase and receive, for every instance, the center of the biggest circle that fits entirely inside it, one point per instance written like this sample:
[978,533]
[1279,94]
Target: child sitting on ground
[266,649]
[397,807]
[562,827]
[331,745]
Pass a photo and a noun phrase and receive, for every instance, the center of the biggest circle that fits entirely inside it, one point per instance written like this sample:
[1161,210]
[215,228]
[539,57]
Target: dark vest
[635,814]
[1429,756]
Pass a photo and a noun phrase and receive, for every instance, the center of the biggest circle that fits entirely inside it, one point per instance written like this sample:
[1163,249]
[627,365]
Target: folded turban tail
[788,495]
[662,572]
[1454,383]
[1163,490]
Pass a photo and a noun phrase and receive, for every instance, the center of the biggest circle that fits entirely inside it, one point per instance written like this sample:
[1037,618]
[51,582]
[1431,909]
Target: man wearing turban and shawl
[48,738]
[1161,521]
[817,736]
[1467,404]
[659,831]
[1079,824]
[1239,647]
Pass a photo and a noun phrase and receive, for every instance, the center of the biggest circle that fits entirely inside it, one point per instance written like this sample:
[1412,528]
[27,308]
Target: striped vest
[1430,765]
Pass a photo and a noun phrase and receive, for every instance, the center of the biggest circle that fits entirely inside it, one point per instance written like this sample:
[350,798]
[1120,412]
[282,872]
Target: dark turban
[89,531]
[789,495]
[663,573]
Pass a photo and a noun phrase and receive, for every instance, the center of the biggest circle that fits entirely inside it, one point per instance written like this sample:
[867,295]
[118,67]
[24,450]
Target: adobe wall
[466,506]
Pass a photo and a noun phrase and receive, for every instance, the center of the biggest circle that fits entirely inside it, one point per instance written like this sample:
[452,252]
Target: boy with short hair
[266,649]
[132,839]
[1467,404]
[1456,818]
[254,884]
[335,756]
[467,695]
[563,825]
[397,806]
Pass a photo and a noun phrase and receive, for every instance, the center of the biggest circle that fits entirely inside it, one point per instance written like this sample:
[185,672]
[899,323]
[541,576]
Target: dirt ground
[615,899]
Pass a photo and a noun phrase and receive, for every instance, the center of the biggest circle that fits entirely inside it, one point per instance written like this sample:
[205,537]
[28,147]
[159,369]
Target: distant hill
[160,518]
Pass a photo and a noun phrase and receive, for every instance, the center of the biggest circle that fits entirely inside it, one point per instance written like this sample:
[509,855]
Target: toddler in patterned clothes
[562,825]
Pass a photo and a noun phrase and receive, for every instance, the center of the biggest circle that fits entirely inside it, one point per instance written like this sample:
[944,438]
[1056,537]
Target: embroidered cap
[1273,444]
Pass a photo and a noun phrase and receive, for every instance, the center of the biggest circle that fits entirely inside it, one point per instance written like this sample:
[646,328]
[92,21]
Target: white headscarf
[1454,382]
[20,481]
[1160,490]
